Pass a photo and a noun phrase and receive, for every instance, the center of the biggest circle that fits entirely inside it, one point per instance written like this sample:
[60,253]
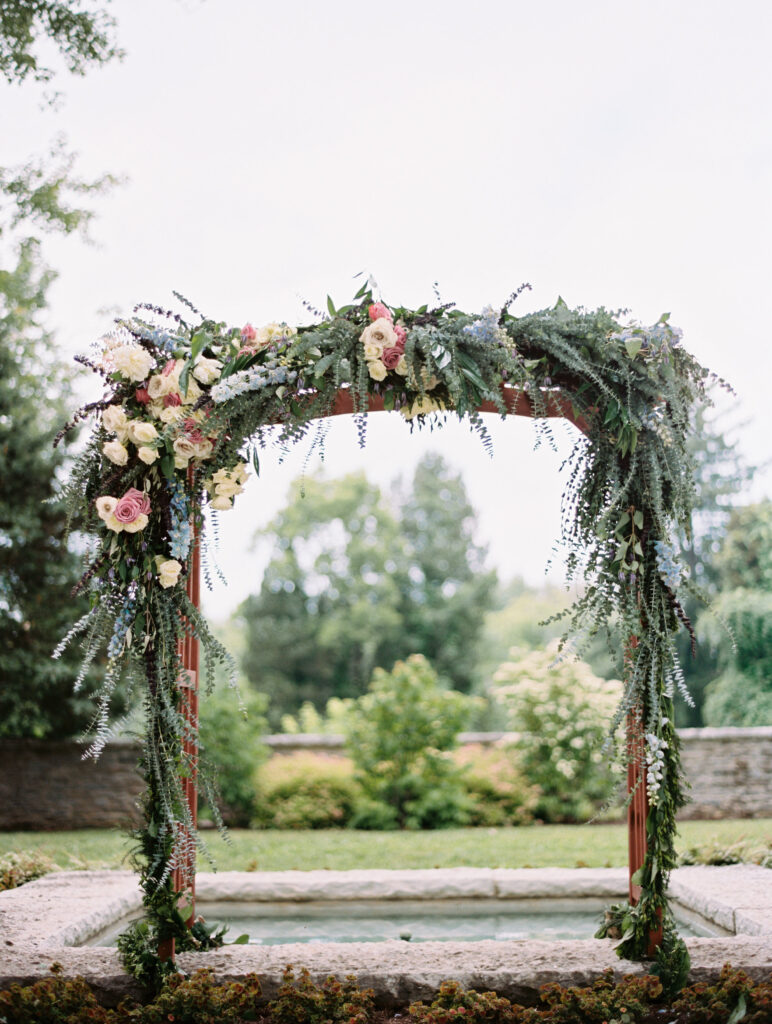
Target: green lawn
[527,846]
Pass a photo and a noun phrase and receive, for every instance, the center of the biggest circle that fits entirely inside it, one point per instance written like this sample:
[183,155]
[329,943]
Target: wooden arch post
[518,403]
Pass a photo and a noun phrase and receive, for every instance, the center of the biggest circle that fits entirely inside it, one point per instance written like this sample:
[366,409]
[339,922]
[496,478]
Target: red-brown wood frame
[555,404]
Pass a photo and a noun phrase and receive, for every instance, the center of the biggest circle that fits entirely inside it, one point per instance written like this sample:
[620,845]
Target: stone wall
[49,785]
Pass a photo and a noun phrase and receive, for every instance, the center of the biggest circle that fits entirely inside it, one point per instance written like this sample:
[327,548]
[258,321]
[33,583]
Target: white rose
[376,369]
[141,432]
[221,503]
[206,370]
[379,332]
[203,449]
[139,524]
[373,350]
[158,385]
[147,455]
[401,367]
[169,570]
[115,452]
[105,509]
[172,414]
[184,451]
[132,361]
[114,418]
[228,489]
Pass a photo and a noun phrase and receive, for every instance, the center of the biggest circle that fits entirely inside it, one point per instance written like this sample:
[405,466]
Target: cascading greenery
[189,402]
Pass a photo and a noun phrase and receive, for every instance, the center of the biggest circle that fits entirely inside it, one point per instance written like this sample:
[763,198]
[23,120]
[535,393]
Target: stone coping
[40,922]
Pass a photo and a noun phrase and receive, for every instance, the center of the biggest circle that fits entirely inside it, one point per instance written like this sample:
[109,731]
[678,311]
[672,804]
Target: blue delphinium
[668,567]
[121,626]
[179,534]
[254,379]
[487,328]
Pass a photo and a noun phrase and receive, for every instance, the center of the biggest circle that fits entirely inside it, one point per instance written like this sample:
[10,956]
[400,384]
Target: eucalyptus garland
[188,405]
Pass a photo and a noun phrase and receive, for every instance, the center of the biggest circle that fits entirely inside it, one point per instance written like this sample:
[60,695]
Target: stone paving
[43,922]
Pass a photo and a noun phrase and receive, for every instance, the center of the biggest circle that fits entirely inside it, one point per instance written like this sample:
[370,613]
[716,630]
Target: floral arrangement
[188,404]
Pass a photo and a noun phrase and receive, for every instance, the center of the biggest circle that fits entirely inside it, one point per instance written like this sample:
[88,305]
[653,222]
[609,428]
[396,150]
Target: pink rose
[401,333]
[377,310]
[169,367]
[192,432]
[248,333]
[131,506]
[390,357]
[142,395]
[172,399]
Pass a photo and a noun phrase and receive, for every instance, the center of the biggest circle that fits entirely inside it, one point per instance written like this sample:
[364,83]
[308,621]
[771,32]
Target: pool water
[269,924]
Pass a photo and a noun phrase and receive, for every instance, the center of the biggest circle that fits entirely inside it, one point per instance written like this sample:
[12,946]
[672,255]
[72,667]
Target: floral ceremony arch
[188,405]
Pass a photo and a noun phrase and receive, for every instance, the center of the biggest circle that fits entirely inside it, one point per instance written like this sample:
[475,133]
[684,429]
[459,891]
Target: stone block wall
[49,785]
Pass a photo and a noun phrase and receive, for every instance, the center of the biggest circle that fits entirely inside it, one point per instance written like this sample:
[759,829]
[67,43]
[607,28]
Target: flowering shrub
[305,790]
[561,711]
[24,866]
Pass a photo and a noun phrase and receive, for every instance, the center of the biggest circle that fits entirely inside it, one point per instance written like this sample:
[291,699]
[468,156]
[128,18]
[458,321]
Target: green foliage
[498,790]
[357,581]
[453,1004]
[231,730]
[301,1001]
[561,711]
[399,736]
[734,997]
[742,694]
[24,866]
[309,720]
[27,27]
[743,851]
[306,791]
[55,1000]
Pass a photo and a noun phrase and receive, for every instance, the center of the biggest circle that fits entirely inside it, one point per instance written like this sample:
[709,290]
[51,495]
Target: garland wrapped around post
[188,406]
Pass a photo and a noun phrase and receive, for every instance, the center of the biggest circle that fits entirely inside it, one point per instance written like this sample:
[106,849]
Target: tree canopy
[358,580]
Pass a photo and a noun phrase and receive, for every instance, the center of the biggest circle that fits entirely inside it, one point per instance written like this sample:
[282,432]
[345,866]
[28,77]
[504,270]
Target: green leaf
[739,1011]
[637,878]
[331,306]
[198,342]
[621,550]
[242,940]
[185,375]
[633,346]
[167,466]
[256,461]
[638,519]
[624,519]
[388,401]
[324,364]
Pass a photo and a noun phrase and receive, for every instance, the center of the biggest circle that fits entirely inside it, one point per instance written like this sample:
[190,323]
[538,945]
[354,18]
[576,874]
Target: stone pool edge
[40,921]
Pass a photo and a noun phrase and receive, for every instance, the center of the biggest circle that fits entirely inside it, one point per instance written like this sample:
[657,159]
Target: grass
[528,846]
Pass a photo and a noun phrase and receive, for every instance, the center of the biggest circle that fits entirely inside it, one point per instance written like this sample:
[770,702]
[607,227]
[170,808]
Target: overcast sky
[616,154]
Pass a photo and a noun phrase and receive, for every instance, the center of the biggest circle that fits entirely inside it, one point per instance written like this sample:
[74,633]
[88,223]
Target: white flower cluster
[655,765]
[253,379]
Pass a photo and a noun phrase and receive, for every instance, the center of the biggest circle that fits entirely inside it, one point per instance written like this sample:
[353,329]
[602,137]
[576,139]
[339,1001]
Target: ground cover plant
[733,998]
[600,845]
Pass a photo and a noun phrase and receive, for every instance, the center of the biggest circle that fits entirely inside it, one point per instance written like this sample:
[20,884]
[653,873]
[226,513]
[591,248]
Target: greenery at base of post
[188,402]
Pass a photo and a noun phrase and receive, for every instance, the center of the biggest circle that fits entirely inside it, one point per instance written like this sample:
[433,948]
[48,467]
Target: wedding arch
[189,403]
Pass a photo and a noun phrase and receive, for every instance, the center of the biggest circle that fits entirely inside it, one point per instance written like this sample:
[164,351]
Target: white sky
[617,154]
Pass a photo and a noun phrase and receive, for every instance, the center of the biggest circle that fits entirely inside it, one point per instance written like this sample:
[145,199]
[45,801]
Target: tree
[27,27]
[355,583]
[740,693]
[37,568]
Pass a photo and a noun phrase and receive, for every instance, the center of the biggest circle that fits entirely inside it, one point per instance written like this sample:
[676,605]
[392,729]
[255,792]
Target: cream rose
[141,432]
[160,385]
[401,367]
[137,524]
[172,414]
[228,489]
[373,350]
[221,503]
[131,361]
[169,570]
[115,452]
[203,448]
[184,451]
[114,418]
[206,370]
[147,455]
[379,332]
[376,369]
[106,511]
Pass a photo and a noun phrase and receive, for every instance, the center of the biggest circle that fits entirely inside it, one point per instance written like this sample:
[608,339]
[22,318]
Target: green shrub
[744,851]
[305,790]
[561,711]
[399,735]
[198,1000]
[54,1000]
[498,790]
[231,730]
[308,719]
[24,866]
[453,1005]
[300,1001]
